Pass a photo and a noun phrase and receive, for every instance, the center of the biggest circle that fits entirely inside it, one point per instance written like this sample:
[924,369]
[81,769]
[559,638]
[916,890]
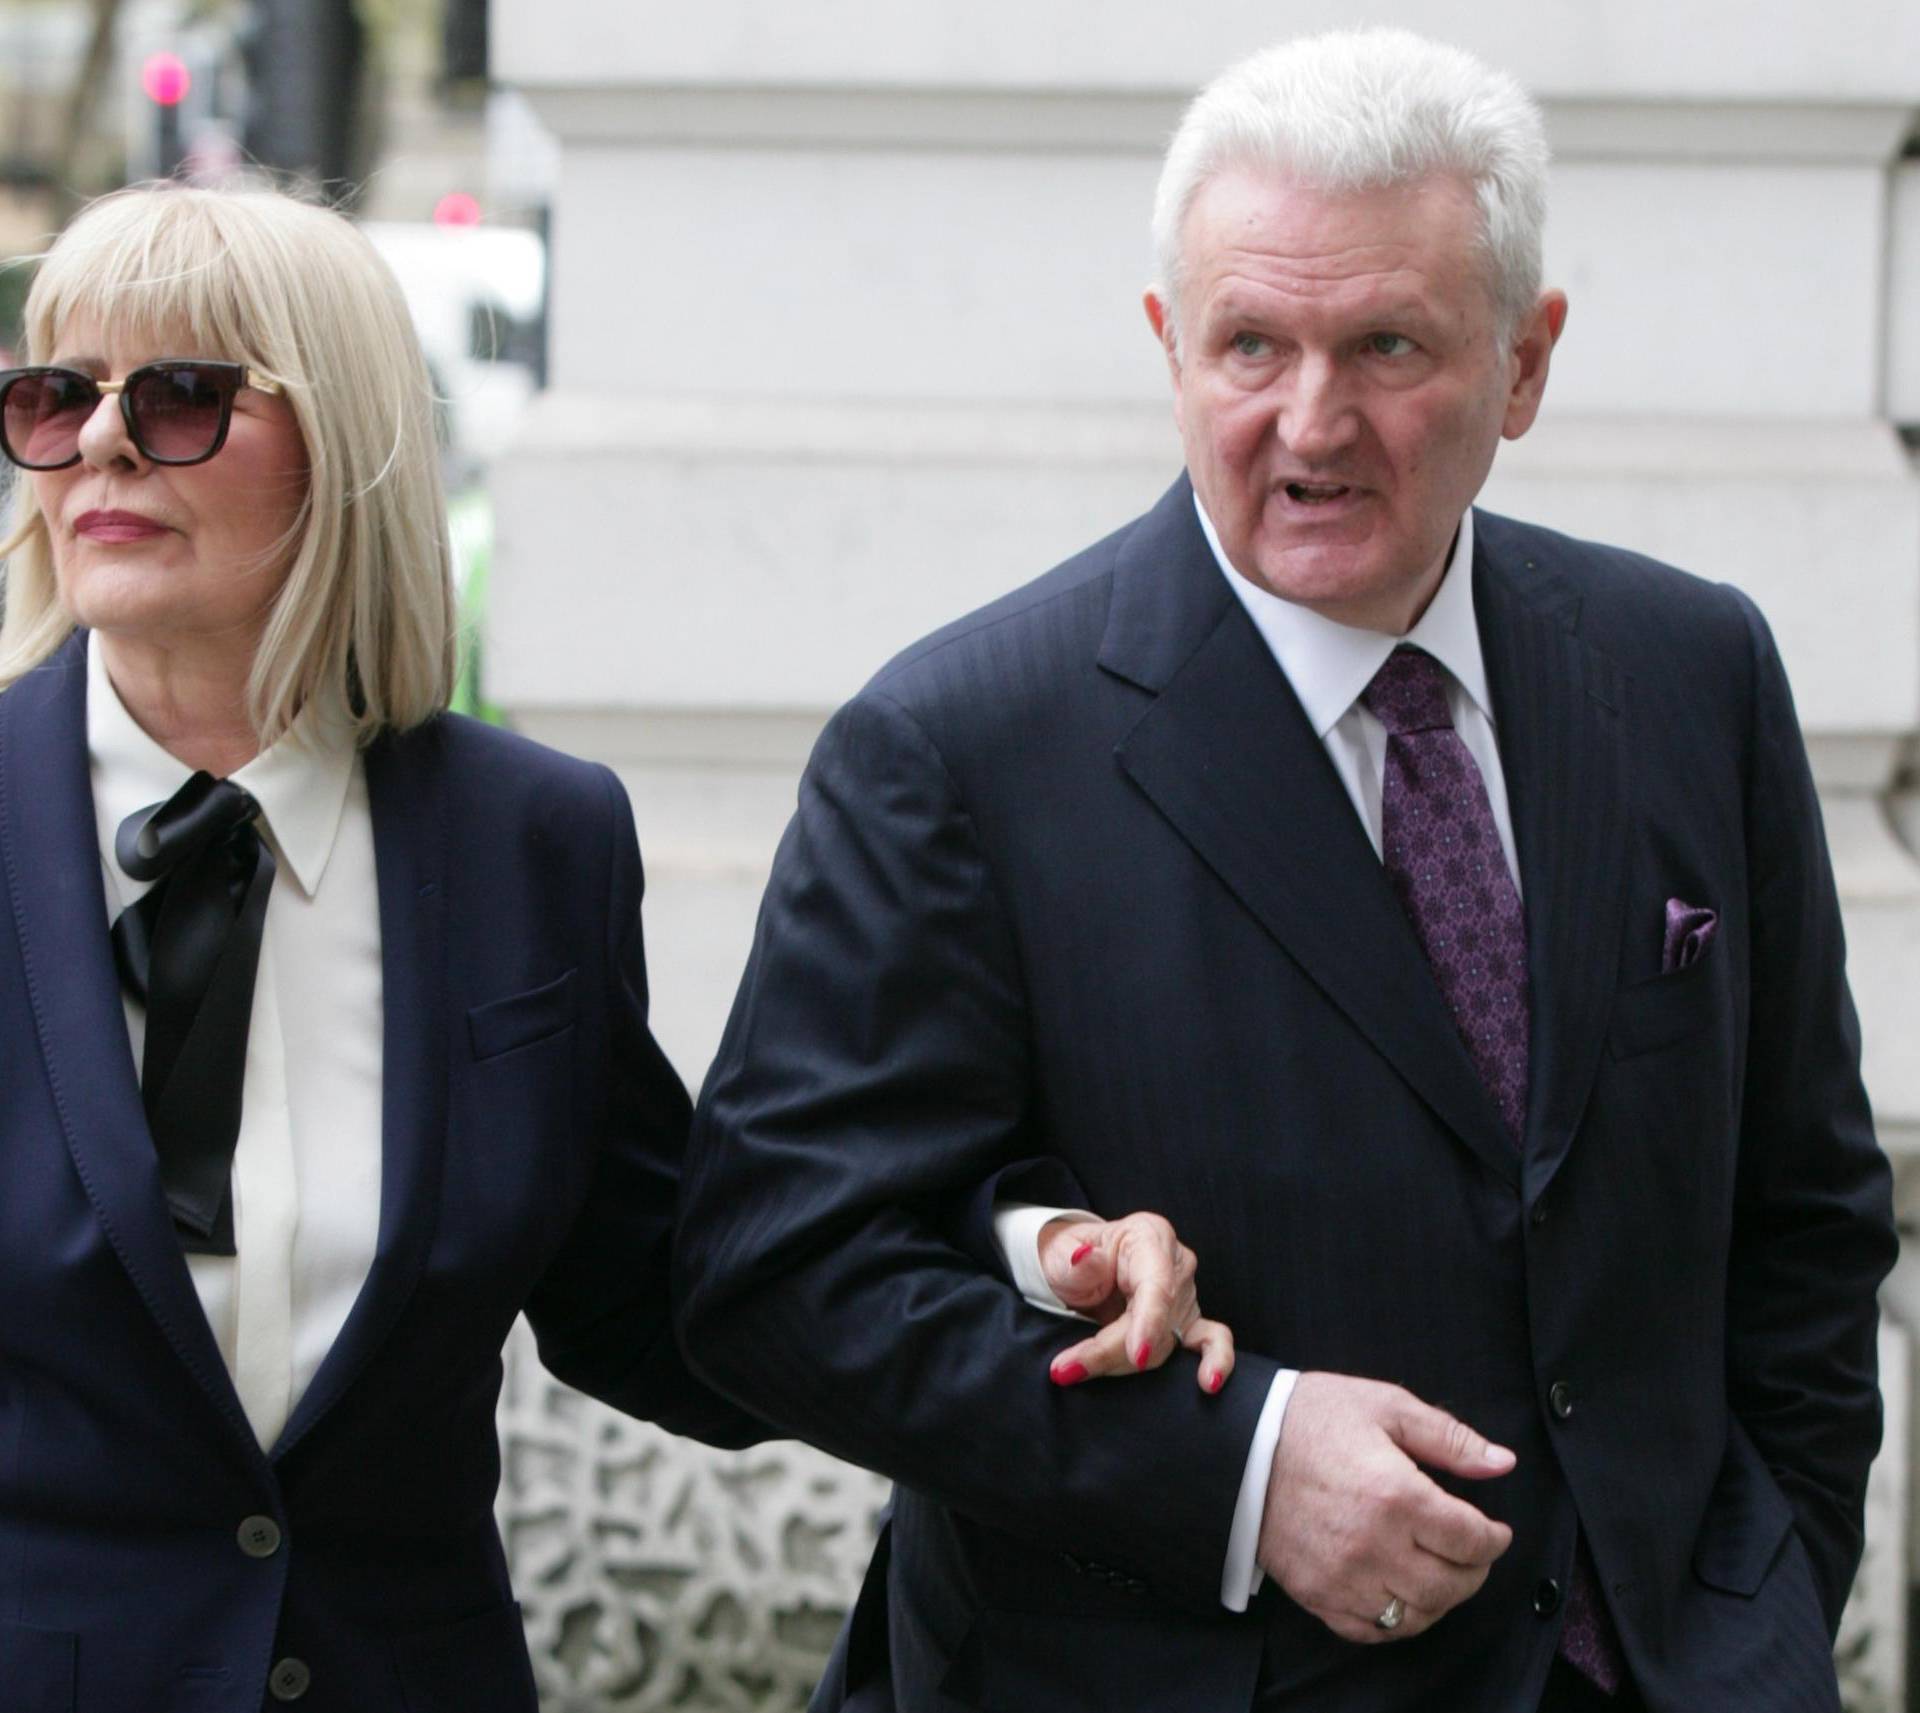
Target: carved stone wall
[655,1573]
[1873,1634]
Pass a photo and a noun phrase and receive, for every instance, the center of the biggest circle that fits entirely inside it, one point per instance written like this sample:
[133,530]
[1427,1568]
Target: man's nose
[104,440]
[1318,417]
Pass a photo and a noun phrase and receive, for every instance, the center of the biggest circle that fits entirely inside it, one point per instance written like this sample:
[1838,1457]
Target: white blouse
[306,1166]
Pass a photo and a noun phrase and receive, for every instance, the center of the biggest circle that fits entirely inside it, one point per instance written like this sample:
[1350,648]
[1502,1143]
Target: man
[1429,914]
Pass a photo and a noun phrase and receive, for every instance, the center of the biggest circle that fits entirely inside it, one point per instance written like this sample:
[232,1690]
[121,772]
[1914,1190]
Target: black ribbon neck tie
[189,950]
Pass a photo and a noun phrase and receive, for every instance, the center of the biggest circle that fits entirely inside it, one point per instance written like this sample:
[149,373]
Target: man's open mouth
[1317,493]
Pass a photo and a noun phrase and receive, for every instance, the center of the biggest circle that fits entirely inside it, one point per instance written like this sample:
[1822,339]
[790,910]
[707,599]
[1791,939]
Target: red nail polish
[1143,1356]
[1080,1254]
[1215,1381]
[1069,1375]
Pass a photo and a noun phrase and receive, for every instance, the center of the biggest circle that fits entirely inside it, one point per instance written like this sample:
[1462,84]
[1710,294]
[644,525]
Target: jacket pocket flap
[1073,1664]
[478,1662]
[1747,1519]
[521,1018]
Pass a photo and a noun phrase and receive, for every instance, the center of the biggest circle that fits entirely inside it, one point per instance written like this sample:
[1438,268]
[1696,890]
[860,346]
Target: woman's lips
[116,526]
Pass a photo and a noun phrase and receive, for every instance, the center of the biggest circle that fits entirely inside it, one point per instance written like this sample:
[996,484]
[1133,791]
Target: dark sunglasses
[177,411]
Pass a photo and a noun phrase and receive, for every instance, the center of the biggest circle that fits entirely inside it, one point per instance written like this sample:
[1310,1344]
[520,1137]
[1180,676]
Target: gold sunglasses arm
[252,378]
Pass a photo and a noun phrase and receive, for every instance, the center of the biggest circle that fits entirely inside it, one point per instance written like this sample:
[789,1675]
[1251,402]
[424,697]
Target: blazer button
[1539,1214]
[1560,1397]
[259,1537]
[290,1679]
[1546,1598]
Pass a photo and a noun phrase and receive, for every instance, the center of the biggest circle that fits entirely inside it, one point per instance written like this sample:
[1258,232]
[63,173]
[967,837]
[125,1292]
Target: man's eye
[1249,345]
[1388,345]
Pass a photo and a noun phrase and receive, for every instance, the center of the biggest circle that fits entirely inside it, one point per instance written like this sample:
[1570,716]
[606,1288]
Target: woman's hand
[1136,1277]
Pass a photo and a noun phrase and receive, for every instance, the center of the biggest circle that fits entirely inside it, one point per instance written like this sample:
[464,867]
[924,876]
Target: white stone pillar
[847,339]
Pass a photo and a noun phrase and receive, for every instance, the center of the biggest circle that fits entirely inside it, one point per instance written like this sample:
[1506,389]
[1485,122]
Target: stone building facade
[847,339]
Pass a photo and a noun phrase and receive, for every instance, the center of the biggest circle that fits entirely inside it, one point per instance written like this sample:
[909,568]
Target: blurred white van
[477,294]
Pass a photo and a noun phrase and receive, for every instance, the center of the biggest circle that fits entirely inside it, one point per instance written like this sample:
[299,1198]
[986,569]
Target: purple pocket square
[1690,931]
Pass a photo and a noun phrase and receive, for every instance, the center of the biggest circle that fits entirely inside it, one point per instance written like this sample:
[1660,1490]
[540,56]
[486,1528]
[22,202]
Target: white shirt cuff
[1016,1228]
[1241,1579]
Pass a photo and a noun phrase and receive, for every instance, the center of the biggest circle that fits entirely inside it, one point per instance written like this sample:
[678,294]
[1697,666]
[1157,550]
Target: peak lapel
[49,852]
[405,794]
[1561,708]
[1227,755]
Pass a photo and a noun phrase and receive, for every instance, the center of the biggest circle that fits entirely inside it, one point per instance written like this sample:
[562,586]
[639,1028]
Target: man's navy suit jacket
[532,1134]
[1075,878]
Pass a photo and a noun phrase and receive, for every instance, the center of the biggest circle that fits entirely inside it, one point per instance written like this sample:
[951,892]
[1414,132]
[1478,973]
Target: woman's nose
[104,440]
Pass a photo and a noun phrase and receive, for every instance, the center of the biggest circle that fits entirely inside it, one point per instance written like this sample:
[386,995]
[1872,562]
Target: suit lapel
[1560,707]
[1228,757]
[50,853]
[405,793]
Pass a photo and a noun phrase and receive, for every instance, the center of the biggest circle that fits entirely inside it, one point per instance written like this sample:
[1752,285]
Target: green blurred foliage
[15,278]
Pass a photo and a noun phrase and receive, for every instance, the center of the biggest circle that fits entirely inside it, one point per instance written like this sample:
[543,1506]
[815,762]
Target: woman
[249,1354]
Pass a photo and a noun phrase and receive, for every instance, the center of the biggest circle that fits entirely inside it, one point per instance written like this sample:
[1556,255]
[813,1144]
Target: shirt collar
[300,781]
[1330,664]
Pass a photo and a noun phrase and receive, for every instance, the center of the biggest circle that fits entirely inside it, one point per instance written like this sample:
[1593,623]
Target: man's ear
[1160,319]
[1532,354]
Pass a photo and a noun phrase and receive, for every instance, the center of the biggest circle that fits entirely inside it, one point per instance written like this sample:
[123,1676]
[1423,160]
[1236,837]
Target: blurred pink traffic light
[457,208]
[166,79]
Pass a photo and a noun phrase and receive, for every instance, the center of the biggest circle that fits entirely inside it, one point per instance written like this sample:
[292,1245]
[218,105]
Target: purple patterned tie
[1442,853]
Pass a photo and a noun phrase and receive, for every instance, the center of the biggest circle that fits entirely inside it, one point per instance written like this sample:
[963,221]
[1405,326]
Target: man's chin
[1348,586]
[1316,572]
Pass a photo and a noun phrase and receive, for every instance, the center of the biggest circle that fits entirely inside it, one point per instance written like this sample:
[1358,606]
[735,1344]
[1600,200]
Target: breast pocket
[521,1019]
[1666,1009]
[513,1180]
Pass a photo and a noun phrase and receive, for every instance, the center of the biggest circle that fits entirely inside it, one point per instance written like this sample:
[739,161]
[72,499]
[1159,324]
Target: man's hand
[1137,1278]
[1352,1522]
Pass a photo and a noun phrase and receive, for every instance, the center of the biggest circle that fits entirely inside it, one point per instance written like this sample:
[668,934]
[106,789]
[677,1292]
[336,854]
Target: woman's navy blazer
[530,1148]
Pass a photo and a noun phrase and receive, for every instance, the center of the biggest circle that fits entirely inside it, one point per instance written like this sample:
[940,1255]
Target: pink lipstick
[116,526]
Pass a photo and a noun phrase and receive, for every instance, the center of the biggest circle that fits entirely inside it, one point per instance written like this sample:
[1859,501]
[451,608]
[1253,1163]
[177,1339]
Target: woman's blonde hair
[296,292]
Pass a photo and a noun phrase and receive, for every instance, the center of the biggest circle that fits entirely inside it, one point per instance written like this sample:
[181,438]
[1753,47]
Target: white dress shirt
[1329,665]
[306,1165]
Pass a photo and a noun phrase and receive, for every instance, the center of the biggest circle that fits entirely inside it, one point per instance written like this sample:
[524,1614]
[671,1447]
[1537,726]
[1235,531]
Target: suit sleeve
[1041,1183]
[1813,1227]
[876,1072]
[601,1313]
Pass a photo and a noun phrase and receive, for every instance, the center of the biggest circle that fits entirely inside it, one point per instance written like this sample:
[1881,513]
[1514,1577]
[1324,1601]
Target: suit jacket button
[1539,1214]
[1546,1598]
[290,1679]
[259,1537]
[1560,1396]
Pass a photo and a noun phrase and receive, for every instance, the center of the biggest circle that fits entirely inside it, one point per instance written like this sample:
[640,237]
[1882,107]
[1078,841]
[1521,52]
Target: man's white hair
[1356,110]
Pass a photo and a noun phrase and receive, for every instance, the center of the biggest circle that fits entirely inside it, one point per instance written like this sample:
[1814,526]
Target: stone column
[847,339]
